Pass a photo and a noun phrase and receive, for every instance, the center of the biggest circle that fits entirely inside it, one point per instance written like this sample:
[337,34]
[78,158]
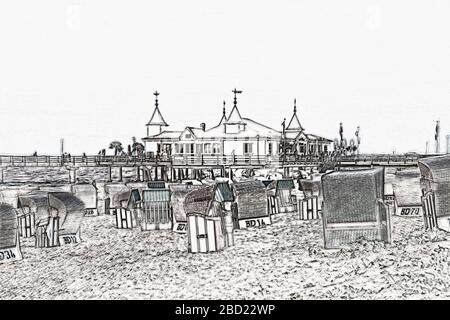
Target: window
[179,148]
[270,149]
[207,148]
[302,148]
[189,148]
[248,148]
[231,128]
[188,136]
[216,148]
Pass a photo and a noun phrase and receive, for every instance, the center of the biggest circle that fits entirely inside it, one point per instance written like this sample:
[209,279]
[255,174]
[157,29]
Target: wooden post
[138,173]
[1,176]
[109,173]
[72,175]
[120,174]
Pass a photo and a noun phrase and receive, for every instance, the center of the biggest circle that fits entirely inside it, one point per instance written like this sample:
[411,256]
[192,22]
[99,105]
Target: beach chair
[435,186]
[9,234]
[353,207]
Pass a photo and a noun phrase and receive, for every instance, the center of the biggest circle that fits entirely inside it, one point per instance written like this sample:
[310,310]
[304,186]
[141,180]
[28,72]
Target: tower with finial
[235,115]
[224,115]
[157,122]
[294,124]
[234,122]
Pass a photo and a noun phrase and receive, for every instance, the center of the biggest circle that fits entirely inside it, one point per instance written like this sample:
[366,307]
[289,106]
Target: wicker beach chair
[353,207]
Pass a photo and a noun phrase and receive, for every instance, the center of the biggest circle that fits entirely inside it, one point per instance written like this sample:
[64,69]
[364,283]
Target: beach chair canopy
[178,195]
[156,195]
[8,226]
[435,176]
[70,211]
[117,193]
[282,184]
[223,192]
[37,204]
[310,185]
[156,185]
[351,196]
[251,199]
[135,197]
[203,201]
[86,193]
[435,169]
[267,182]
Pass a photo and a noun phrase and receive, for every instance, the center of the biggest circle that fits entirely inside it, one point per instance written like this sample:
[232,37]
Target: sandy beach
[285,260]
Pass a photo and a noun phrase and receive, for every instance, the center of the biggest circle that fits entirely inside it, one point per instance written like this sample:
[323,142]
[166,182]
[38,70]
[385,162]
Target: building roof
[252,129]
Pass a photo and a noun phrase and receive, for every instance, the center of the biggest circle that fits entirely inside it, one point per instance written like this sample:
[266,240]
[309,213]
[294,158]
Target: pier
[173,168]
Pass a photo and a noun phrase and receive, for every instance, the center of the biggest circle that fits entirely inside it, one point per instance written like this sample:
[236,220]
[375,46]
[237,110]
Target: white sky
[86,70]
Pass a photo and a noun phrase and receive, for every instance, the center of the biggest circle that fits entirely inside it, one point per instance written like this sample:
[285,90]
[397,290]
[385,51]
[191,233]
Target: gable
[188,134]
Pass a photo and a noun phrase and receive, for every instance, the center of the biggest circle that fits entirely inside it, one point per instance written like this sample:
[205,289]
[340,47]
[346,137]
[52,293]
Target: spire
[157,118]
[224,116]
[294,124]
[235,115]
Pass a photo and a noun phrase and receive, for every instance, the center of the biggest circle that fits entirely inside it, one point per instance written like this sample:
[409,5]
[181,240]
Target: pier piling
[109,174]
[72,175]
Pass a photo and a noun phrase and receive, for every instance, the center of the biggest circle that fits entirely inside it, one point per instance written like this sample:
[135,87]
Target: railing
[204,160]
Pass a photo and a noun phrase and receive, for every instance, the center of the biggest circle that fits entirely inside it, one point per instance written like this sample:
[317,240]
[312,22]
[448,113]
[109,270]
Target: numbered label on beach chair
[180,227]
[254,222]
[69,239]
[10,254]
[91,212]
[409,211]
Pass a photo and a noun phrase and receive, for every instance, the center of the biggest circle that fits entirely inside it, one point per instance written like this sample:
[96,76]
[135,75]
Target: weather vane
[236,92]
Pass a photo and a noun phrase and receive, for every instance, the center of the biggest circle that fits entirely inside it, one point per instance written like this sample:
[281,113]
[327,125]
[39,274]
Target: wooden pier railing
[206,160]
